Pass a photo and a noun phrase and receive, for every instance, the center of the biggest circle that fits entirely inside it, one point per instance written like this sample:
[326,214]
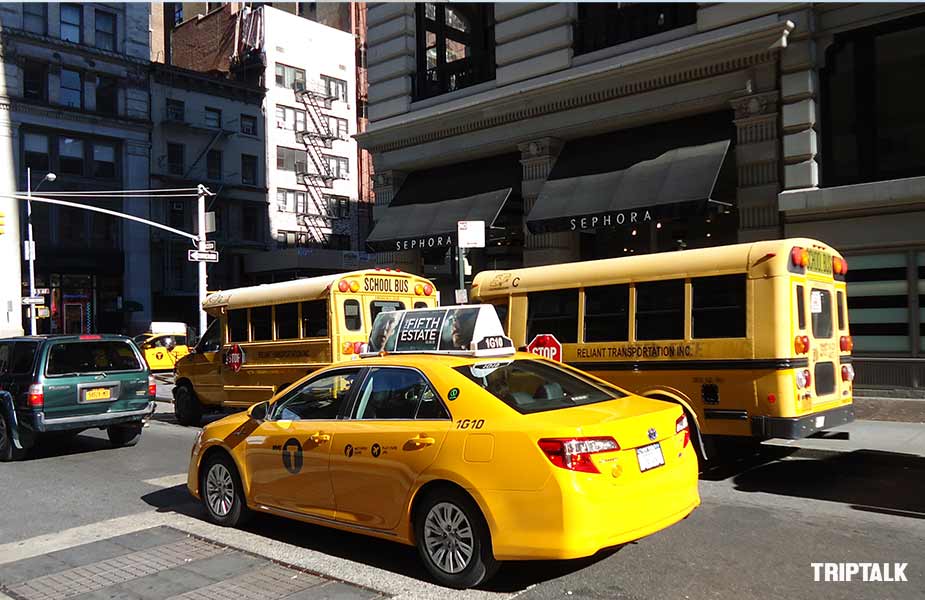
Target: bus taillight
[801,344]
[804,379]
[845,343]
[847,373]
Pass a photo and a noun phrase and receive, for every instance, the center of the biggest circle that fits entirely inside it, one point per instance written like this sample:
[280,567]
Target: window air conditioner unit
[176,206]
[281,124]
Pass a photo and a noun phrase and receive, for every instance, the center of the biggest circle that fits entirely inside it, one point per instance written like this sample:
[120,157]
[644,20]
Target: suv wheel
[222,493]
[186,406]
[453,539]
[124,435]
[8,450]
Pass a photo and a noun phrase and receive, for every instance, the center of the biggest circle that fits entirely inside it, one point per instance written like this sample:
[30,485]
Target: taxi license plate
[97,394]
[650,457]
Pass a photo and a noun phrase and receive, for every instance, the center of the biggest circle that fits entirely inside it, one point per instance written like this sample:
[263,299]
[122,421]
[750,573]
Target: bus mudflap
[795,428]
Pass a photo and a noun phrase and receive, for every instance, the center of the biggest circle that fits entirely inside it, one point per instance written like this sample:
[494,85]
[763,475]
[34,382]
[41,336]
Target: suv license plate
[650,457]
[97,394]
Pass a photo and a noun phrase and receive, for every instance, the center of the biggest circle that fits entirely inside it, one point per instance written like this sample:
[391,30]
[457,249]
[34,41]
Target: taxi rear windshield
[76,358]
[530,386]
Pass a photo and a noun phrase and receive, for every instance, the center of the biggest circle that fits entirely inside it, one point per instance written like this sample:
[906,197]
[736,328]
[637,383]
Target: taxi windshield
[530,386]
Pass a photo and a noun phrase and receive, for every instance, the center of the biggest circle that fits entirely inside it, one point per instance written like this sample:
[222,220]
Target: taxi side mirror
[258,412]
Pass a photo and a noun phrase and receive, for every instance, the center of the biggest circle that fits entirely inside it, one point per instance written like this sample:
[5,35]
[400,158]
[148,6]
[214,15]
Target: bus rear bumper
[800,427]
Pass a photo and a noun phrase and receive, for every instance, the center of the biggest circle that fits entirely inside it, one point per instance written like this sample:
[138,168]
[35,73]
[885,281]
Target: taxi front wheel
[222,493]
[453,539]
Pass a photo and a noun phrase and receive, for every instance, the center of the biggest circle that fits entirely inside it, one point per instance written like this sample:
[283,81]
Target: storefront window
[921,290]
[878,303]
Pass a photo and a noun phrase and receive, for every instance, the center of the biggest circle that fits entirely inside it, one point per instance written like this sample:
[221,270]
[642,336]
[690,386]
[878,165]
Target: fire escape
[316,174]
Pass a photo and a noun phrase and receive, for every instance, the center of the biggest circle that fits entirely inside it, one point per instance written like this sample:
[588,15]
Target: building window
[248,125]
[874,126]
[106,95]
[250,225]
[291,201]
[335,88]
[210,6]
[175,161]
[455,47]
[213,118]
[292,119]
[338,241]
[338,127]
[176,110]
[878,303]
[177,218]
[248,169]
[601,25]
[290,159]
[214,165]
[70,156]
[71,88]
[35,17]
[338,166]
[290,77]
[177,13]
[338,206]
[105,30]
[35,149]
[35,81]
[104,160]
[362,109]
[71,20]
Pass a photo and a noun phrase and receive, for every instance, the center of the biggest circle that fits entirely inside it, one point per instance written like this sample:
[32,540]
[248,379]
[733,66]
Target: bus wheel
[186,406]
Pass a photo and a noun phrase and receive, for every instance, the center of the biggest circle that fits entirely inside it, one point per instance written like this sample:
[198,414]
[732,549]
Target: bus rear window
[352,315]
[378,306]
[530,386]
[91,357]
[840,297]
[801,308]
[820,307]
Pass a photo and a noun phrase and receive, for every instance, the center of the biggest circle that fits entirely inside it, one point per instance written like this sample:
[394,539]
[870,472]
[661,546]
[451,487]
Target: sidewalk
[883,436]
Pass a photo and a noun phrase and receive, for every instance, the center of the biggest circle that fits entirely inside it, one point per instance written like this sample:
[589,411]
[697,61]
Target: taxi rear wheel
[222,493]
[186,406]
[453,539]
[8,449]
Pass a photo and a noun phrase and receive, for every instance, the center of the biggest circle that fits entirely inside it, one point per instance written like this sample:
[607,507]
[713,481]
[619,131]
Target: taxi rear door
[397,429]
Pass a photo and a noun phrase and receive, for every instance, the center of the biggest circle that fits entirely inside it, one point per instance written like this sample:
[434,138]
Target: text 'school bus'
[752,339]
[265,337]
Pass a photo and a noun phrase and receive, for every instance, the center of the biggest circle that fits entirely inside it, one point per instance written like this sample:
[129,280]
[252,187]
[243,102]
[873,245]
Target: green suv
[68,383]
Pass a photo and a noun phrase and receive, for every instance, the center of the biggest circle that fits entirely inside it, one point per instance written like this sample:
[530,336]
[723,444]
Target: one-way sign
[33,300]
[202,255]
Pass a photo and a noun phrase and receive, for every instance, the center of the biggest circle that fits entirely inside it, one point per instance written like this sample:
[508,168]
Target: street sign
[202,255]
[210,245]
[235,358]
[33,300]
[470,234]
[547,346]
[210,222]
[42,291]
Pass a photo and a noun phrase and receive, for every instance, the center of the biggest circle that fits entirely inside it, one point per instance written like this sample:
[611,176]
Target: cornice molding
[711,57]
[8,34]
[61,114]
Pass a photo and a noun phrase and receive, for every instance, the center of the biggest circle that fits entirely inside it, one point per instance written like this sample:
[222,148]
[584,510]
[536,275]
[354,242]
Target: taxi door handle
[320,437]
[423,441]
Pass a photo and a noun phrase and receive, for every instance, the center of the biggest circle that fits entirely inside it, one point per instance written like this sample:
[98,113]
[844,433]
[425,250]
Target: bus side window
[718,306]
[554,312]
[315,318]
[262,323]
[502,310]
[660,310]
[352,319]
[801,308]
[237,325]
[841,310]
[286,319]
[607,313]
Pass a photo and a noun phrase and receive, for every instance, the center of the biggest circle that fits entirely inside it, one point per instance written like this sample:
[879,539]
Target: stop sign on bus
[547,346]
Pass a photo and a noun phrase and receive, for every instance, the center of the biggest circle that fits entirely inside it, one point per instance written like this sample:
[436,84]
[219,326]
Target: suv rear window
[530,386]
[65,358]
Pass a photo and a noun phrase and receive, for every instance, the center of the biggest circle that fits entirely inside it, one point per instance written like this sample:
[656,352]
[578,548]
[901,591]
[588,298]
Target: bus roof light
[418,289]
[796,256]
[354,286]
[343,285]
[428,289]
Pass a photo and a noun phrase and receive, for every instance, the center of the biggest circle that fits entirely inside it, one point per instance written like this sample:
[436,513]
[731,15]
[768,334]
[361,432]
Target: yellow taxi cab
[443,437]
[164,345]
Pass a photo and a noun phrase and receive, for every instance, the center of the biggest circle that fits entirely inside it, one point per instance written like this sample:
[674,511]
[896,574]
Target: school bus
[265,337]
[751,339]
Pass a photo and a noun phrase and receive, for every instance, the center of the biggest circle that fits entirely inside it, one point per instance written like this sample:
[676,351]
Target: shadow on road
[65,444]
[867,480]
[374,552]
[734,460]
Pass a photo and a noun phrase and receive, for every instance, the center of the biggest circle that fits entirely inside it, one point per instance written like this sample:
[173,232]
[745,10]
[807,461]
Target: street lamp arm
[105,211]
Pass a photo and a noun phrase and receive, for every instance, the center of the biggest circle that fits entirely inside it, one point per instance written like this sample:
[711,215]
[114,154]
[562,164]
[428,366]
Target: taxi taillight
[574,454]
[682,425]
[152,386]
[36,395]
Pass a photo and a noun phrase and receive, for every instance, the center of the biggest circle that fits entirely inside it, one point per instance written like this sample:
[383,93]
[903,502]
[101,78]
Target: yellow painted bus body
[737,386]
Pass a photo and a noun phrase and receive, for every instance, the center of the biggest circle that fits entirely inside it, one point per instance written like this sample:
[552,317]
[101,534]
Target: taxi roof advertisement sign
[451,329]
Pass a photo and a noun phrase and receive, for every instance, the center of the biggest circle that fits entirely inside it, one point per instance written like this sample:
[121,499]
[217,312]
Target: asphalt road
[763,521]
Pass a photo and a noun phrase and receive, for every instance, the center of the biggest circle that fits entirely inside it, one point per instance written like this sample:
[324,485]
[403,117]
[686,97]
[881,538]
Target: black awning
[637,194]
[427,207]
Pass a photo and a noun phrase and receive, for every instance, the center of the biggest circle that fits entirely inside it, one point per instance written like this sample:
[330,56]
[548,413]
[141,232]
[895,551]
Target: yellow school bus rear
[265,337]
[751,339]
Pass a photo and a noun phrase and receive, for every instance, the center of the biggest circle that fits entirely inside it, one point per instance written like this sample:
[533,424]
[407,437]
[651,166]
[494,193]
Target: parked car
[68,383]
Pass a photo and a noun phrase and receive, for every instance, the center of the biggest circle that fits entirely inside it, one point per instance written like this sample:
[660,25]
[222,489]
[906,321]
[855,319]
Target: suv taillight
[682,425]
[152,386]
[574,454]
[37,395]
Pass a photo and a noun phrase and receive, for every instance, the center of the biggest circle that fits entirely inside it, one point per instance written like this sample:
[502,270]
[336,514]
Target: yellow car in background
[442,437]
[164,345]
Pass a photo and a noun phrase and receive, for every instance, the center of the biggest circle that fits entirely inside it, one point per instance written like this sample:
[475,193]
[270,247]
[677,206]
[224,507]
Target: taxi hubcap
[219,490]
[448,537]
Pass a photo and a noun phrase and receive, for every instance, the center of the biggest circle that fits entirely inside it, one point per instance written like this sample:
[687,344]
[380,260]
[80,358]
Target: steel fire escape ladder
[317,137]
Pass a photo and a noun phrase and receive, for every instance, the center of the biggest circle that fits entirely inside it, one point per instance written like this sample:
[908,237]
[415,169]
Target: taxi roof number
[472,330]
